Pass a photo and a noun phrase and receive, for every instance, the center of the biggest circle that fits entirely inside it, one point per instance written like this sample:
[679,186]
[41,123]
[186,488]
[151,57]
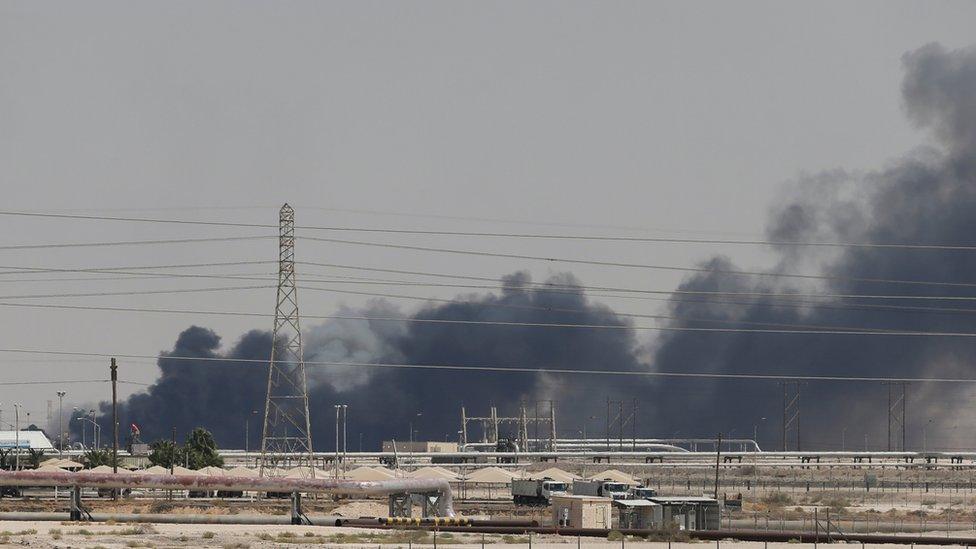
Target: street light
[76,417]
[925,444]
[17,436]
[91,417]
[61,423]
[337,407]
[247,429]
[345,415]
[411,427]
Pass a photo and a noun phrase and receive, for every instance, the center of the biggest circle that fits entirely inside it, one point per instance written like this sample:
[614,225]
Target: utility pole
[172,462]
[115,420]
[287,428]
[336,467]
[17,437]
[718,458]
[61,424]
[345,413]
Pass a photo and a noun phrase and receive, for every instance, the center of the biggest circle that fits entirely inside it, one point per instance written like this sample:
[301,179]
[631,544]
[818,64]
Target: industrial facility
[435,274]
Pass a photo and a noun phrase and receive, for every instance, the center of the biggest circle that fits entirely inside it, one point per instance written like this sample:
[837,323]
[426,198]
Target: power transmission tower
[287,436]
[791,413]
[897,410]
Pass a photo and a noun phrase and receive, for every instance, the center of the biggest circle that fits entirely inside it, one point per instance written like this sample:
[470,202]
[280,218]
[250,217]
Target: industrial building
[581,511]
[689,512]
[424,446]
[25,440]
[639,513]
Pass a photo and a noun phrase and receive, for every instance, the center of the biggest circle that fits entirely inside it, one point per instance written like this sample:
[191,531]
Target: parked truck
[601,488]
[639,492]
[536,491]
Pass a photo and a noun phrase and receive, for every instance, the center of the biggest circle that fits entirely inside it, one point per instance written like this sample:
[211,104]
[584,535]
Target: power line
[546,288]
[136,219]
[798,330]
[944,247]
[520,369]
[115,270]
[790,300]
[137,292]
[577,289]
[62,382]
[132,243]
[624,264]
[787,303]
[430,320]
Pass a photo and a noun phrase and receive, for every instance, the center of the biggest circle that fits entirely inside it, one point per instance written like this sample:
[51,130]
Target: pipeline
[503,527]
[741,535]
[441,487]
[435,521]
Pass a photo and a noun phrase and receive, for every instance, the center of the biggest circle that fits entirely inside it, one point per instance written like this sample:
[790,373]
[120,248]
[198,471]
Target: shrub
[208,535]
[777,499]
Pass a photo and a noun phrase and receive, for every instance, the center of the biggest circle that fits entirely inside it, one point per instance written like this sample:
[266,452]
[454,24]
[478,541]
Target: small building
[424,446]
[581,512]
[25,440]
[639,514]
[689,512]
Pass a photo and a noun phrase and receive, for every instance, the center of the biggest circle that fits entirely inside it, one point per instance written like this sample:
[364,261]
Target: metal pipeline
[441,487]
[742,535]
[503,527]
[434,521]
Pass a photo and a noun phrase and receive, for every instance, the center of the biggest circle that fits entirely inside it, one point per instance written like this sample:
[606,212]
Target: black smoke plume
[927,196]
[386,402]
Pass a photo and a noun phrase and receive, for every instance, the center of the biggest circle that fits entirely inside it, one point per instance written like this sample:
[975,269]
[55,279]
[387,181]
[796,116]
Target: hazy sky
[681,118]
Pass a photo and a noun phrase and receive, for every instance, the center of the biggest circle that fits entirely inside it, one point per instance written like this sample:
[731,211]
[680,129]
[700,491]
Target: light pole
[345,413]
[17,436]
[843,439]
[411,427]
[925,442]
[95,429]
[247,430]
[61,424]
[345,408]
[337,407]
[76,417]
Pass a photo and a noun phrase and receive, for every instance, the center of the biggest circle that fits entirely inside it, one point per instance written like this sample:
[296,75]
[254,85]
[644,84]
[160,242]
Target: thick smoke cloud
[385,401]
[925,196]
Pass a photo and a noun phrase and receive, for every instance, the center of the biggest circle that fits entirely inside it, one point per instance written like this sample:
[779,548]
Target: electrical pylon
[286,440]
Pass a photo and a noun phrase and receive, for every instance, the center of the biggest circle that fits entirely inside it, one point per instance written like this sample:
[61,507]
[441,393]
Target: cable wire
[825,329]
[625,264]
[944,247]
[132,243]
[518,369]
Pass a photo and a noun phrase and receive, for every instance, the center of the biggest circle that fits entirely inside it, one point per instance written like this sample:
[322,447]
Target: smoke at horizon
[926,196]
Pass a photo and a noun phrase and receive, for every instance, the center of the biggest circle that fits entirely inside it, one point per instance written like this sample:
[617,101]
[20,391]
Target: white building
[27,440]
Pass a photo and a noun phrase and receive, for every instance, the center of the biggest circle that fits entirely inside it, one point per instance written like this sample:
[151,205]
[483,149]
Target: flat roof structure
[27,440]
